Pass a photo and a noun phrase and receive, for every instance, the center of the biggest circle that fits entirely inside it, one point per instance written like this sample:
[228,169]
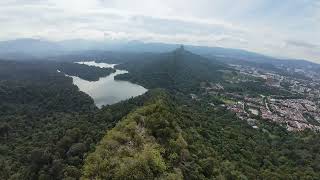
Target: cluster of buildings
[308,86]
[298,114]
[294,114]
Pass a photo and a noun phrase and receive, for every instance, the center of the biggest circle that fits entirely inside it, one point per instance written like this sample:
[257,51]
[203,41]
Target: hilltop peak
[181,50]
[179,69]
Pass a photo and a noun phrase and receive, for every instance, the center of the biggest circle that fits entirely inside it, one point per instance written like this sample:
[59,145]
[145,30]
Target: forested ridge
[51,130]
[173,138]
[46,124]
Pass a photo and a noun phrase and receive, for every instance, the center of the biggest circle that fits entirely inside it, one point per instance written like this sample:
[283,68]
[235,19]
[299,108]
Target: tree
[4,130]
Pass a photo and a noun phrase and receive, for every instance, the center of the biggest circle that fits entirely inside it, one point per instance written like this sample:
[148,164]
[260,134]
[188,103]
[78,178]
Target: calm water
[107,90]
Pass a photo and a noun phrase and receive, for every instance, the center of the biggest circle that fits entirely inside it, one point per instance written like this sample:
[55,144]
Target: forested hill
[89,73]
[38,87]
[180,70]
[51,130]
[173,138]
[46,124]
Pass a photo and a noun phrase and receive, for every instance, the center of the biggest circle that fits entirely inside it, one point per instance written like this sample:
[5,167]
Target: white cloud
[259,25]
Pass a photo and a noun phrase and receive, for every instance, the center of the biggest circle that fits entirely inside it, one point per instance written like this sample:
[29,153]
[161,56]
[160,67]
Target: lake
[106,90]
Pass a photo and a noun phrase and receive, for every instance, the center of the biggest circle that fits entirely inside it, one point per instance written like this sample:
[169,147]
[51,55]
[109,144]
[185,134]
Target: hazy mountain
[224,54]
[34,48]
[29,47]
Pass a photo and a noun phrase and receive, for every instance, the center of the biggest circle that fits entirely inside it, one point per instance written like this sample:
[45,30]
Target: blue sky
[281,28]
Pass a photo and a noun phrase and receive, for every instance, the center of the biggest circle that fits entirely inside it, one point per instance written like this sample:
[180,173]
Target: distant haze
[286,28]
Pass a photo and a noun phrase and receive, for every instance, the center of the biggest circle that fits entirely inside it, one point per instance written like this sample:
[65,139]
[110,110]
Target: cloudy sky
[281,28]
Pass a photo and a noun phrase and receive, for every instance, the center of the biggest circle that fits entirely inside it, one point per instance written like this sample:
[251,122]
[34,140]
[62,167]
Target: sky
[280,28]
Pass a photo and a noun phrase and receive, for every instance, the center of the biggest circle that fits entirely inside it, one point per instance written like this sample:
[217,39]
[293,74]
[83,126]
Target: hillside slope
[46,124]
[179,70]
[170,138]
[145,145]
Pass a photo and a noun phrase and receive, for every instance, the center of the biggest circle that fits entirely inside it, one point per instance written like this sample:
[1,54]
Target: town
[297,111]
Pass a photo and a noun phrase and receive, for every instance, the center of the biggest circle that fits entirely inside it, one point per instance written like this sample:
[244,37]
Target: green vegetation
[90,73]
[46,124]
[241,152]
[180,70]
[51,130]
[227,101]
[146,144]
[256,89]
[236,77]
[183,139]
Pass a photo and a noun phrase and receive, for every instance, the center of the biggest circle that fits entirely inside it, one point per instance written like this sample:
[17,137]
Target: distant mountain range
[24,49]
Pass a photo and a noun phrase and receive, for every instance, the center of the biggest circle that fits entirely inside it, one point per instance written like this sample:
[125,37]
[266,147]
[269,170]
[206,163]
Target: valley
[199,119]
[106,90]
[159,90]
